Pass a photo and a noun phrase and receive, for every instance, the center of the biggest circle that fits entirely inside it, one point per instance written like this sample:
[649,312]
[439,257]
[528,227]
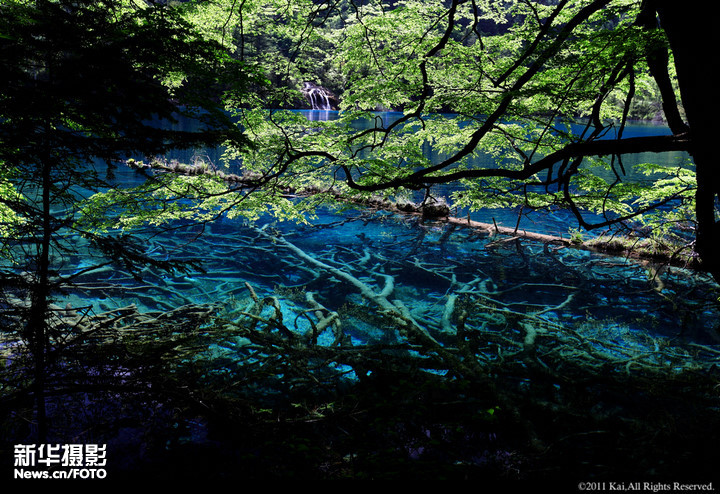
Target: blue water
[427,262]
[500,284]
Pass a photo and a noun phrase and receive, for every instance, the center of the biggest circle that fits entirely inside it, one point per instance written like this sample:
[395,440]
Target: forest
[360,240]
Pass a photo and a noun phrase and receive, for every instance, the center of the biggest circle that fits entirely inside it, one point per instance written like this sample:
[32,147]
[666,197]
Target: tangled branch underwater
[491,334]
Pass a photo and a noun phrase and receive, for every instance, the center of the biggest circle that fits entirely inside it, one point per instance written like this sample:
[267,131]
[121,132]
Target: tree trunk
[39,305]
[692,33]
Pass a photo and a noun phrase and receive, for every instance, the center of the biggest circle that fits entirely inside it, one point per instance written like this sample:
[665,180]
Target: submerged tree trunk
[693,41]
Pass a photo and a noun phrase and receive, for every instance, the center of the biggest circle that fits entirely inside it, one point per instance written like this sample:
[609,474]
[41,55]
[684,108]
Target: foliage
[515,78]
[170,197]
[86,83]
[524,104]
[291,42]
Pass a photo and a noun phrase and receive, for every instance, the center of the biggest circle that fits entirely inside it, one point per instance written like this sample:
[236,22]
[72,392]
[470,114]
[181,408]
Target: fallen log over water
[631,247]
[634,248]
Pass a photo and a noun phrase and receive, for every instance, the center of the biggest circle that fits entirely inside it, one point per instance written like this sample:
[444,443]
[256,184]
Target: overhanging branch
[652,144]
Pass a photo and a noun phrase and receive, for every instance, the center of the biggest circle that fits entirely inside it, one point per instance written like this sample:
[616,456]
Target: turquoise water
[431,270]
[363,279]
[426,263]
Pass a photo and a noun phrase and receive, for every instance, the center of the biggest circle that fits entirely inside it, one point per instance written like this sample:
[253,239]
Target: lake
[379,344]
[428,263]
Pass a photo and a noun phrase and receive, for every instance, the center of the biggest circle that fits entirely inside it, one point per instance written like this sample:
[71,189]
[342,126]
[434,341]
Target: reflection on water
[320,115]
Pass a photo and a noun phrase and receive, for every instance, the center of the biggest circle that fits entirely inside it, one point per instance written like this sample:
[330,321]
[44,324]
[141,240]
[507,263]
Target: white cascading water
[317,96]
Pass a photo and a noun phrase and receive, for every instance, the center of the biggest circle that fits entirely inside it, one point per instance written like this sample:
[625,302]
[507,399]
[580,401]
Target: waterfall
[317,96]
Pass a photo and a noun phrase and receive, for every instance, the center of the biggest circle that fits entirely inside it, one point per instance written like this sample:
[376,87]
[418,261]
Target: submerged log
[637,249]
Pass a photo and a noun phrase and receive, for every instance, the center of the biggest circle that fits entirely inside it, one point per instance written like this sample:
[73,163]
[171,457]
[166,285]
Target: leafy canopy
[523,103]
[98,81]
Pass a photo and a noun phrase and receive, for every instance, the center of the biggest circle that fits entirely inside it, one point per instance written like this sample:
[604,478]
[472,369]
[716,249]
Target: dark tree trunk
[39,305]
[692,33]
